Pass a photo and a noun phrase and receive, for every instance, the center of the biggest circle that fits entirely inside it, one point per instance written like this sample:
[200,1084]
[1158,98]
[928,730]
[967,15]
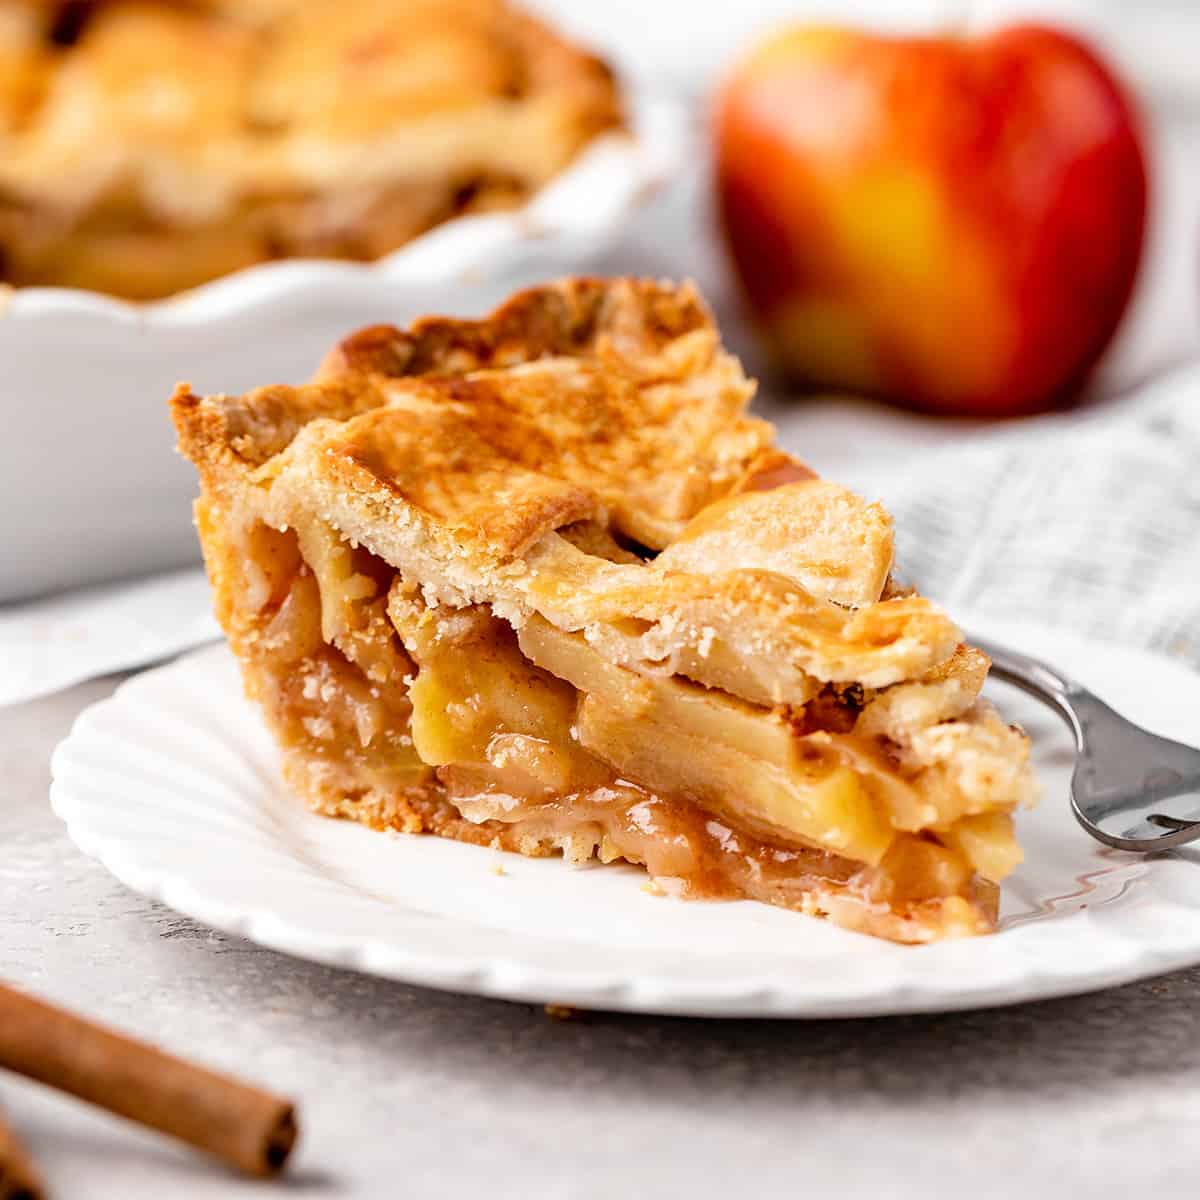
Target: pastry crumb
[563,1012]
[653,888]
[498,869]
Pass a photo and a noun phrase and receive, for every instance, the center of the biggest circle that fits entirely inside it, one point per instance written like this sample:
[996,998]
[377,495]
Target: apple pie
[146,147]
[539,582]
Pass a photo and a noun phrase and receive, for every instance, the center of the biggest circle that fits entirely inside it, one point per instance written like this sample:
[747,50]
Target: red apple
[953,224]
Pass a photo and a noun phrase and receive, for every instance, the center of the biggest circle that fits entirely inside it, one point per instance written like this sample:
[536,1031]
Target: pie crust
[147,147]
[539,582]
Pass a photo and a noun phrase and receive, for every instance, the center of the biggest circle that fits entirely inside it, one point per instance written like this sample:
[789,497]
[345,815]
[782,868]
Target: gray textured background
[406,1092]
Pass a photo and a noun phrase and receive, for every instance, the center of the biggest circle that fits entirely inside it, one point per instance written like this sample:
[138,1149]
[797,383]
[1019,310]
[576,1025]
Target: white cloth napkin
[1090,524]
[51,644]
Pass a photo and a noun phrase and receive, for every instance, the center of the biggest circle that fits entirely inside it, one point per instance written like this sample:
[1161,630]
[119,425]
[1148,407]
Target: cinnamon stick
[19,1178]
[247,1128]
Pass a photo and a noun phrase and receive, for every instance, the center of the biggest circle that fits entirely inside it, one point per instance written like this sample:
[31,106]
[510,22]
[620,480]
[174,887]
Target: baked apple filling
[536,729]
[537,583]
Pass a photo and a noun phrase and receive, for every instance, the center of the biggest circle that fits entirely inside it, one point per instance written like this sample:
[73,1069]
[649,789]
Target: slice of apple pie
[538,582]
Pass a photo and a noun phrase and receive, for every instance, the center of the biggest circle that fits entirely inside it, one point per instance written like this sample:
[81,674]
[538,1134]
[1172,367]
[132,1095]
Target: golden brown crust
[147,147]
[577,317]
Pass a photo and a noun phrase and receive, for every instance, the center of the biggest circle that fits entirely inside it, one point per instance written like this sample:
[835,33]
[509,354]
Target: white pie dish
[87,456]
[173,784]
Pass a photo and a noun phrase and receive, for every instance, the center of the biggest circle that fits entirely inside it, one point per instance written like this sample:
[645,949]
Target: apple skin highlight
[951,224]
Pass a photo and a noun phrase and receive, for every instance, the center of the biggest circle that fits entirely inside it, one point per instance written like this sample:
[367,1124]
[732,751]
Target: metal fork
[1124,775]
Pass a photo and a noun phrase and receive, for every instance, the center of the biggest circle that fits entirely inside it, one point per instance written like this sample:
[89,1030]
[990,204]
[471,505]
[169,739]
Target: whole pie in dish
[146,147]
[538,582]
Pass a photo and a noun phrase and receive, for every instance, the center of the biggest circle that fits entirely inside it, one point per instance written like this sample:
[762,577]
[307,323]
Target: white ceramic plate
[86,455]
[173,784]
